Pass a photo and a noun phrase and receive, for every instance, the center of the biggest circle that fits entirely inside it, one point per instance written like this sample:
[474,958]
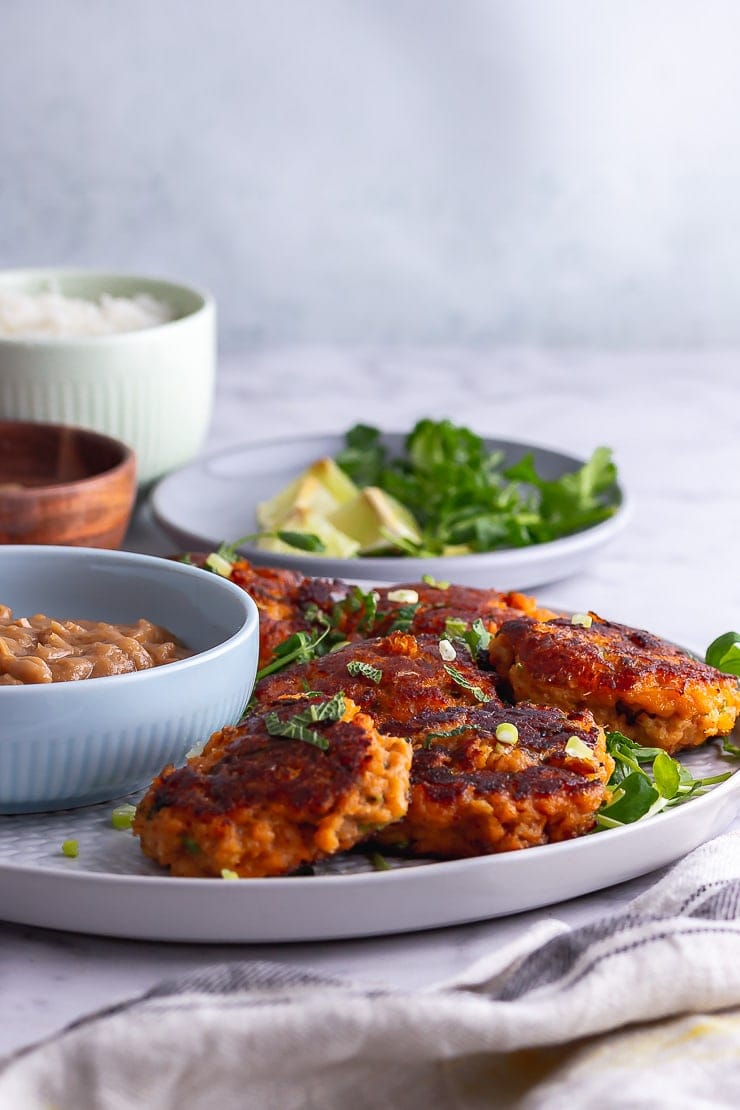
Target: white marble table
[673,420]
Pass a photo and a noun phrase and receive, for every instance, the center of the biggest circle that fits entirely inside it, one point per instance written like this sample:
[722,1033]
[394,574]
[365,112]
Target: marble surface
[673,421]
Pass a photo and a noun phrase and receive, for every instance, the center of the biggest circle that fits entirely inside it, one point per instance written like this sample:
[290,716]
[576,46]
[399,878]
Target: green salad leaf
[463,496]
[646,781]
[724,653]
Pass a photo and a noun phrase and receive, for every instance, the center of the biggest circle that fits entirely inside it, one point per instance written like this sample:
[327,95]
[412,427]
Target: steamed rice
[49,314]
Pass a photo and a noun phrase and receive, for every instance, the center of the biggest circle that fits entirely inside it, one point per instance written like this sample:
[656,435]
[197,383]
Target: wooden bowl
[62,485]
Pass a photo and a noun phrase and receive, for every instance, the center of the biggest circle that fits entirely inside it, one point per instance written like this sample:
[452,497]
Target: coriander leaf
[364,455]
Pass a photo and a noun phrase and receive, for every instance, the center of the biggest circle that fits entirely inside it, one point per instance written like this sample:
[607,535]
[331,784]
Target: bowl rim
[206,306]
[127,461]
[248,628]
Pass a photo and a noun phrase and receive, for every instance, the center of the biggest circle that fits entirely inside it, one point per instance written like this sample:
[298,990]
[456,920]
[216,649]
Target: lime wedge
[374,520]
[308,520]
[321,488]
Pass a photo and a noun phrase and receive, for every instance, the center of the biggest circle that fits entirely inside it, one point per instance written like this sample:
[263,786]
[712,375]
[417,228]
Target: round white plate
[214,499]
[111,889]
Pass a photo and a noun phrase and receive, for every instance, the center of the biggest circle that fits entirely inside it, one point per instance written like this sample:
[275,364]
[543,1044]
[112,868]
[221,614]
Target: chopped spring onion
[507,733]
[122,816]
[579,749]
[404,597]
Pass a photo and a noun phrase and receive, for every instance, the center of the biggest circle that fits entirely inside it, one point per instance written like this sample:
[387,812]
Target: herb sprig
[297,727]
[463,494]
[646,781]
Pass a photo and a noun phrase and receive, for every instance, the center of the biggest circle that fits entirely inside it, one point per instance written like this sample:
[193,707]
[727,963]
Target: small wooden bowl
[62,485]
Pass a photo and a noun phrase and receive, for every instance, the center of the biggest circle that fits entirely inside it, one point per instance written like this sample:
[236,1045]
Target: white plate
[215,498]
[111,889]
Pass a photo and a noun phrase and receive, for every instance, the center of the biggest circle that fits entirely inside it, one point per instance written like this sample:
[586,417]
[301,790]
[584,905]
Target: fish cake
[394,678]
[632,681]
[259,803]
[474,795]
[422,607]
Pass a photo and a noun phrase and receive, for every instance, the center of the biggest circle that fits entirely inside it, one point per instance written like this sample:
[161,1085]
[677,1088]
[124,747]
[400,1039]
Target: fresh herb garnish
[355,601]
[357,667]
[441,734]
[646,781]
[403,618]
[222,560]
[297,726]
[724,653]
[461,494]
[461,680]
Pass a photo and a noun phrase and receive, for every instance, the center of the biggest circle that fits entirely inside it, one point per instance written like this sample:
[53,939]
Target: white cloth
[556,1019]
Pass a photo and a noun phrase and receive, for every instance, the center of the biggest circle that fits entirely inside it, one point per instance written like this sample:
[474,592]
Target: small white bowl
[67,744]
[151,388]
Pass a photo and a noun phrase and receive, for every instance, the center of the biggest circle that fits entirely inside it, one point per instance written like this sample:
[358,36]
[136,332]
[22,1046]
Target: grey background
[390,171]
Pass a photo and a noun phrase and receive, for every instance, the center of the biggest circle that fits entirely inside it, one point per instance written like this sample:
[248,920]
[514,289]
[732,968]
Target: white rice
[49,313]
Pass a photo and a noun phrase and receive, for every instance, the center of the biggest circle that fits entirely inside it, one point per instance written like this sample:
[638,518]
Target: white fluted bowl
[151,388]
[69,744]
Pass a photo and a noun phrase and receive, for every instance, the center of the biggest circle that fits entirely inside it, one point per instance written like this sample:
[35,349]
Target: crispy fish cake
[473,795]
[393,678]
[631,680]
[420,607]
[261,800]
[283,599]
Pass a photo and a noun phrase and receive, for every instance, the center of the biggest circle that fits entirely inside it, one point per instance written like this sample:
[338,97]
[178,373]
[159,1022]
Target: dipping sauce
[41,649]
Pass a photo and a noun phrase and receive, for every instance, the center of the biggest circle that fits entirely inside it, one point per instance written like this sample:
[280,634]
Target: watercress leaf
[666,774]
[636,795]
[724,653]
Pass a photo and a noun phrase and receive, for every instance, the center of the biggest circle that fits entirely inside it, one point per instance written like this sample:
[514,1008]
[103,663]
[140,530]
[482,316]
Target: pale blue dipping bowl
[69,744]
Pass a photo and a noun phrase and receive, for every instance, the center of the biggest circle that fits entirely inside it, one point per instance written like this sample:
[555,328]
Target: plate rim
[230,907]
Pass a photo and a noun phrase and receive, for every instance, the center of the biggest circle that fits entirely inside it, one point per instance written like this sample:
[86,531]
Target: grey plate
[215,499]
[111,889]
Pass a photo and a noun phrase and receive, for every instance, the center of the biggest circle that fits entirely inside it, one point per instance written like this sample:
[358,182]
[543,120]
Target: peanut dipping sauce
[41,649]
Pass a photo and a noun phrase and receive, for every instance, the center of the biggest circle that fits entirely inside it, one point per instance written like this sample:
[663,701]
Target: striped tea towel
[634,1010]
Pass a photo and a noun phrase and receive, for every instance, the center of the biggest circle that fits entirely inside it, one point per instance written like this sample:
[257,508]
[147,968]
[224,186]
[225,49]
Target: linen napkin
[558,1018]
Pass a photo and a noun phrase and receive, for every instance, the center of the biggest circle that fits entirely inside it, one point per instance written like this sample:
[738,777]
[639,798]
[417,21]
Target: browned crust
[631,680]
[414,679]
[472,795]
[260,805]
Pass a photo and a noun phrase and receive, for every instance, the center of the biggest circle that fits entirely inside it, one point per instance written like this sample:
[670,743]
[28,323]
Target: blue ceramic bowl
[68,744]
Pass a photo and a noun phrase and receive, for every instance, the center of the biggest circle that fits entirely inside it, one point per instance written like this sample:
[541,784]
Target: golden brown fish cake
[283,598]
[289,602]
[632,681]
[410,678]
[258,803]
[424,608]
[473,795]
